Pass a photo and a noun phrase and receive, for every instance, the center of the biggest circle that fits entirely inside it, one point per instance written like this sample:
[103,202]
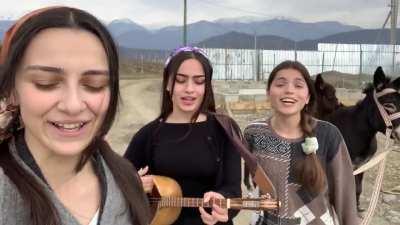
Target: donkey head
[327,101]
[388,99]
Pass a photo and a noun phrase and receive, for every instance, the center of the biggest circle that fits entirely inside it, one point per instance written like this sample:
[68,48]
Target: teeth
[188,98]
[69,126]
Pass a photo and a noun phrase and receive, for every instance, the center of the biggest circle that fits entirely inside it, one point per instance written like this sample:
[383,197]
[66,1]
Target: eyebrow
[185,75]
[49,69]
[58,70]
[296,79]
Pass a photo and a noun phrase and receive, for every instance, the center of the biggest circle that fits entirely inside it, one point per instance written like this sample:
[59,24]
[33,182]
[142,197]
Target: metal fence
[251,64]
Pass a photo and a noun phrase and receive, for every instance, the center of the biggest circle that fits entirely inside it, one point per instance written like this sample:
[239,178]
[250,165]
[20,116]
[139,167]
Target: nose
[189,86]
[72,101]
[289,88]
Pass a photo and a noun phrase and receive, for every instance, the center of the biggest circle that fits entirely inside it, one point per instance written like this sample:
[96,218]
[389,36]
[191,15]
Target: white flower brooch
[310,145]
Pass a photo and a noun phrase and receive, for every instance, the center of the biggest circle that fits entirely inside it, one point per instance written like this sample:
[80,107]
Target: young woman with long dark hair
[306,159]
[58,98]
[187,141]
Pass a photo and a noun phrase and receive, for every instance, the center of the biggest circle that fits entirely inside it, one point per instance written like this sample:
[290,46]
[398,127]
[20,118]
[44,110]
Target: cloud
[366,13]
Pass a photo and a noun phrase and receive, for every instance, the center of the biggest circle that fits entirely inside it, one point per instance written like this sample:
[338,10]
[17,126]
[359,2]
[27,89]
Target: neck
[58,169]
[179,117]
[287,126]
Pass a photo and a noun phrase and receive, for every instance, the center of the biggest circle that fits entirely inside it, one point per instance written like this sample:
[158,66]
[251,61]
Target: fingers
[217,214]
[147,180]
[143,171]
[206,217]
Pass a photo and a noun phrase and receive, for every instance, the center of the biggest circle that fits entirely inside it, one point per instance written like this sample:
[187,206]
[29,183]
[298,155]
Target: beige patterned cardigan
[277,155]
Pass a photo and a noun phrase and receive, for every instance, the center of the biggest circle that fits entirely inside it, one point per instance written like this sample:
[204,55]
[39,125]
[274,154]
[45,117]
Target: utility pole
[184,23]
[256,57]
[393,29]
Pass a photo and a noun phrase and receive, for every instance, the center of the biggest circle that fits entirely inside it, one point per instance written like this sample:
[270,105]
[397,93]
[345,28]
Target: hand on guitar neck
[218,214]
[147,180]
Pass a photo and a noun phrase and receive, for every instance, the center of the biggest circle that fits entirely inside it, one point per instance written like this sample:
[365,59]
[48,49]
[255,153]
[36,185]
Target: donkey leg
[358,180]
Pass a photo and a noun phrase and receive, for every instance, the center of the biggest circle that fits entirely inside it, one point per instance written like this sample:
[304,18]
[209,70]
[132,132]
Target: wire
[213,3]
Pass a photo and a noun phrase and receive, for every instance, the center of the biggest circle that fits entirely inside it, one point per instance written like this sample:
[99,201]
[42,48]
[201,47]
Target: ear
[379,78]
[13,99]
[396,83]
[319,83]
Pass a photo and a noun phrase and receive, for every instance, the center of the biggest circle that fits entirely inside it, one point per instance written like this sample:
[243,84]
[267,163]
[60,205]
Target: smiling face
[189,88]
[288,92]
[62,88]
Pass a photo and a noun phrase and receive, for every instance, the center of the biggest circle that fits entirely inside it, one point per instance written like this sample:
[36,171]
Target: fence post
[361,59]
[361,65]
[226,64]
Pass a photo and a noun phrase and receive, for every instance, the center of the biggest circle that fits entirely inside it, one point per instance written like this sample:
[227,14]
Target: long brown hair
[170,71]
[124,173]
[309,171]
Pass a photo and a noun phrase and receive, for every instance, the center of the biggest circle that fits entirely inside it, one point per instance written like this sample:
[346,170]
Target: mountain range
[278,33]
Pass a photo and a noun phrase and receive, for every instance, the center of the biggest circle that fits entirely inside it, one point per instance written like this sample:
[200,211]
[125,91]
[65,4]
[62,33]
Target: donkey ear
[319,82]
[379,78]
[396,83]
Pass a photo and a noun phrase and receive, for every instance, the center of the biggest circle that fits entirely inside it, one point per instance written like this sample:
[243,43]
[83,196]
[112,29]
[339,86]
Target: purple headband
[184,49]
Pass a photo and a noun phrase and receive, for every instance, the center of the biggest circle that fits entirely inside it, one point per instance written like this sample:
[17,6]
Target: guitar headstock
[260,203]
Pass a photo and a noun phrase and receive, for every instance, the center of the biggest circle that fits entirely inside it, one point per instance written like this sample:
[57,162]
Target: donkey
[327,102]
[360,123]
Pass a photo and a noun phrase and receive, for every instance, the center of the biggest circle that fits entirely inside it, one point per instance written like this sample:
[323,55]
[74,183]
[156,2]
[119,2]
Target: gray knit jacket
[13,210]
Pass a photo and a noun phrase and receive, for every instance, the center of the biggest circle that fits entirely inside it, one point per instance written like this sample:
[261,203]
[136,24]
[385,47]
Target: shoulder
[224,120]
[147,129]
[6,186]
[256,125]
[327,129]
[150,126]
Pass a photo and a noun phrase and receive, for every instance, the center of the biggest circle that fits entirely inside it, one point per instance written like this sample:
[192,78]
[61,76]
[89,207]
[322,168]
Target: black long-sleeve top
[198,156]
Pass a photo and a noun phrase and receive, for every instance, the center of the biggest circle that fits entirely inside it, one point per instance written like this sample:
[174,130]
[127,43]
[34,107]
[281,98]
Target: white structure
[250,64]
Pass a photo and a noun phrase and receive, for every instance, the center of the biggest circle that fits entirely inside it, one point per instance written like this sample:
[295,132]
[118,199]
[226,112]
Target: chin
[70,149]
[191,109]
[289,113]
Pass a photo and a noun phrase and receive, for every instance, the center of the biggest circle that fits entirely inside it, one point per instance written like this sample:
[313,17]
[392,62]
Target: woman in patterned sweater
[306,158]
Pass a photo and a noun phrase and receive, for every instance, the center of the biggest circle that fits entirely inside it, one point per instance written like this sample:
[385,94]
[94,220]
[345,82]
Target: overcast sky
[364,13]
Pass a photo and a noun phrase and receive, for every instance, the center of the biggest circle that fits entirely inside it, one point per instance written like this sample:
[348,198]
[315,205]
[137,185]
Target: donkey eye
[390,107]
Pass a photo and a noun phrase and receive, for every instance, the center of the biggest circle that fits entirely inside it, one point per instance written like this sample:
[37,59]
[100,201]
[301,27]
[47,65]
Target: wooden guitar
[166,201]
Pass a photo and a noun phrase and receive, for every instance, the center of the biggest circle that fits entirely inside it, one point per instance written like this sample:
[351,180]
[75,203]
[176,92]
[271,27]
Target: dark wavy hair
[308,171]
[42,210]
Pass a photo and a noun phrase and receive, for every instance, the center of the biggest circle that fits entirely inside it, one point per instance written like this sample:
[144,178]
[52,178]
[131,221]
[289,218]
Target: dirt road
[140,104]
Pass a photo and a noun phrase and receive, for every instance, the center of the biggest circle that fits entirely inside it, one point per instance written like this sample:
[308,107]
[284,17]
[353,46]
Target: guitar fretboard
[188,202]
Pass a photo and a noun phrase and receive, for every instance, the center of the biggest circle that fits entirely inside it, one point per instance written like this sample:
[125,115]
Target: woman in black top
[186,142]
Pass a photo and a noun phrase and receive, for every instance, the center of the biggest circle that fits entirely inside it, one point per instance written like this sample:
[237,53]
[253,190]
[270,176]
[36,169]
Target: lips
[187,100]
[288,100]
[69,129]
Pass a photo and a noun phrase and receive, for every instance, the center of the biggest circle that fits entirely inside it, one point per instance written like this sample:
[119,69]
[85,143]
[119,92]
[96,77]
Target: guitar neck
[251,204]
[189,202]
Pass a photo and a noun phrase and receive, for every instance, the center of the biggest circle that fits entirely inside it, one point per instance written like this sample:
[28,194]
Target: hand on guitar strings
[218,214]
[147,180]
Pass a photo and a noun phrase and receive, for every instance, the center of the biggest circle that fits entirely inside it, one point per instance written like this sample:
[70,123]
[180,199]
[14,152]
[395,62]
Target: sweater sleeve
[138,148]
[342,186]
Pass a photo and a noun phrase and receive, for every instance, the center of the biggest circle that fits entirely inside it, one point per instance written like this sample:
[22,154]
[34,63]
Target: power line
[212,3]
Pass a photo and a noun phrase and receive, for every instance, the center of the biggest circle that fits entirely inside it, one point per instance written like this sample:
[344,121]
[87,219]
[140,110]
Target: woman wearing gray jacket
[58,98]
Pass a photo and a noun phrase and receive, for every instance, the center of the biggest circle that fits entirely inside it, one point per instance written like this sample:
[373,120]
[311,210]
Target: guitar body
[165,187]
